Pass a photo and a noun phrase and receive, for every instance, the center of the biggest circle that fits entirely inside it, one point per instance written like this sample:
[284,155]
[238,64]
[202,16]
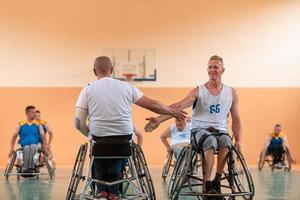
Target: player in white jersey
[179,134]
[107,104]
[212,103]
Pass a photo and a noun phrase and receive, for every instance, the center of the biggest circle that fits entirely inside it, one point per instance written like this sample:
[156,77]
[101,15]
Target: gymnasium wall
[260,109]
[47,49]
[53,43]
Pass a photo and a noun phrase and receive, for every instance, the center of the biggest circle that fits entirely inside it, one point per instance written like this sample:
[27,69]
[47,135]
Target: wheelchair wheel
[49,168]
[77,172]
[183,168]
[10,165]
[176,169]
[143,172]
[167,166]
[241,174]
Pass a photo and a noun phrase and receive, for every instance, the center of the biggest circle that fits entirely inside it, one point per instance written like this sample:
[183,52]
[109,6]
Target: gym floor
[268,185]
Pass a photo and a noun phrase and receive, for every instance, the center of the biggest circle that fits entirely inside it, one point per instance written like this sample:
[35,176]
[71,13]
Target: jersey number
[214,108]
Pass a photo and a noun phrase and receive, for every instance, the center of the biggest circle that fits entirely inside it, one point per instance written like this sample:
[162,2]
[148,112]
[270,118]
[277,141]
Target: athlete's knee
[210,143]
[224,141]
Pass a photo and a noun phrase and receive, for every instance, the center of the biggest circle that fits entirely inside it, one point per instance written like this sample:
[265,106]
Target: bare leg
[222,157]
[209,163]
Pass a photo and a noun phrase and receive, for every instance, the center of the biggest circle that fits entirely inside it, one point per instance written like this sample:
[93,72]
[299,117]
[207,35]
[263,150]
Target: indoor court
[179,99]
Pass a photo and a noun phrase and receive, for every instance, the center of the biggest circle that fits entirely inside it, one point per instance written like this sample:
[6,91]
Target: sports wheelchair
[135,183]
[236,180]
[265,157]
[170,162]
[37,172]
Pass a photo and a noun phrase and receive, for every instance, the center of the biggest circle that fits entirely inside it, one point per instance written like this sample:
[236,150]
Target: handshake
[154,122]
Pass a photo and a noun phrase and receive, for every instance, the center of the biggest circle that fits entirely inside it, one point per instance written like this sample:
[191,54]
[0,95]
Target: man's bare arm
[13,140]
[139,136]
[50,132]
[236,121]
[43,135]
[166,134]
[80,120]
[188,101]
[159,108]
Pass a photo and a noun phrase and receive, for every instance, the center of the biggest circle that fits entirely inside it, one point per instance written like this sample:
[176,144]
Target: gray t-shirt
[109,102]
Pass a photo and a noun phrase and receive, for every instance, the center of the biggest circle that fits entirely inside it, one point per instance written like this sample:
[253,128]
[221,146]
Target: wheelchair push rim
[77,172]
[10,165]
[167,165]
[143,172]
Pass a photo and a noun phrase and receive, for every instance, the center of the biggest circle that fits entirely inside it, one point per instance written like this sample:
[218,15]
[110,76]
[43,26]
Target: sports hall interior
[47,50]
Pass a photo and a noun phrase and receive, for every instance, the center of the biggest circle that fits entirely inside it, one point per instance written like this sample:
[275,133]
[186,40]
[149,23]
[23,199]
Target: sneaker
[113,197]
[209,190]
[102,195]
[216,185]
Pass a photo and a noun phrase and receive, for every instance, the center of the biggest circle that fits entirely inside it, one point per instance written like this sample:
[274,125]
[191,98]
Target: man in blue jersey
[28,131]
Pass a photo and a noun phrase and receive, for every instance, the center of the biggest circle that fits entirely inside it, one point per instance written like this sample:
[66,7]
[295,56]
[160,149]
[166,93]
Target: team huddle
[104,110]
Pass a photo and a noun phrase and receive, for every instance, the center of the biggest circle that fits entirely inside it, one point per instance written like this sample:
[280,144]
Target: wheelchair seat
[112,146]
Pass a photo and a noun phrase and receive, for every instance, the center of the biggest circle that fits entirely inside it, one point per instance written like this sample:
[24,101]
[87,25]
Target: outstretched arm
[80,120]
[166,134]
[188,101]
[13,140]
[158,107]
[236,121]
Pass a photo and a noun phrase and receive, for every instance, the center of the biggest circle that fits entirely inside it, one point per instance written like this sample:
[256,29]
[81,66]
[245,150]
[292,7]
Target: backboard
[138,63]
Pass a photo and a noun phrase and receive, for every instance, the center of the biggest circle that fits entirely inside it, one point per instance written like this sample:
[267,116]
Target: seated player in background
[29,131]
[276,145]
[47,129]
[179,135]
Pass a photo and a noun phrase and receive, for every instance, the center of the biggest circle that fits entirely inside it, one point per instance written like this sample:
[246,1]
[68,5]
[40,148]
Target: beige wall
[260,109]
[54,42]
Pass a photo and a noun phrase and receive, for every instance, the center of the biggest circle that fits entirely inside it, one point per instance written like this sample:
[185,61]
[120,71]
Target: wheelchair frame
[11,164]
[183,178]
[136,171]
[168,164]
[269,159]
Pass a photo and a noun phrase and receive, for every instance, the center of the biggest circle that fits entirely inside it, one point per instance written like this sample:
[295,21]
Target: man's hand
[46,150]
[237,145]
[152,124]
[48,146]
[177,113]
[11,152]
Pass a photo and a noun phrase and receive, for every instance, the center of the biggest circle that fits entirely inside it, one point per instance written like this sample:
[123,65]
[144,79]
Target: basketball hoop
[128,76]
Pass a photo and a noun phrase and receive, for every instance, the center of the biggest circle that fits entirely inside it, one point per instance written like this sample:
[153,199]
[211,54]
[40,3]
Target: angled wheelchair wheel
[143,172]
[177,169]
[49,168]
[242,178]
[167,166]
[183,168]
[77,172]
[10,165]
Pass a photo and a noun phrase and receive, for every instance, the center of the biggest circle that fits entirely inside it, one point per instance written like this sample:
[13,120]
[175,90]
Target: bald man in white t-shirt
[107,102]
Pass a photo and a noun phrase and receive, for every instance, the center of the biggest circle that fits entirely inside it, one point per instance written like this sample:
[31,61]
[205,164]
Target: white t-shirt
[109,102]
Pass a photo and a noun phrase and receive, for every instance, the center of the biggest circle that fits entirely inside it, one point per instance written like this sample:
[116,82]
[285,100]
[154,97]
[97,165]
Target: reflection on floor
[268,185]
